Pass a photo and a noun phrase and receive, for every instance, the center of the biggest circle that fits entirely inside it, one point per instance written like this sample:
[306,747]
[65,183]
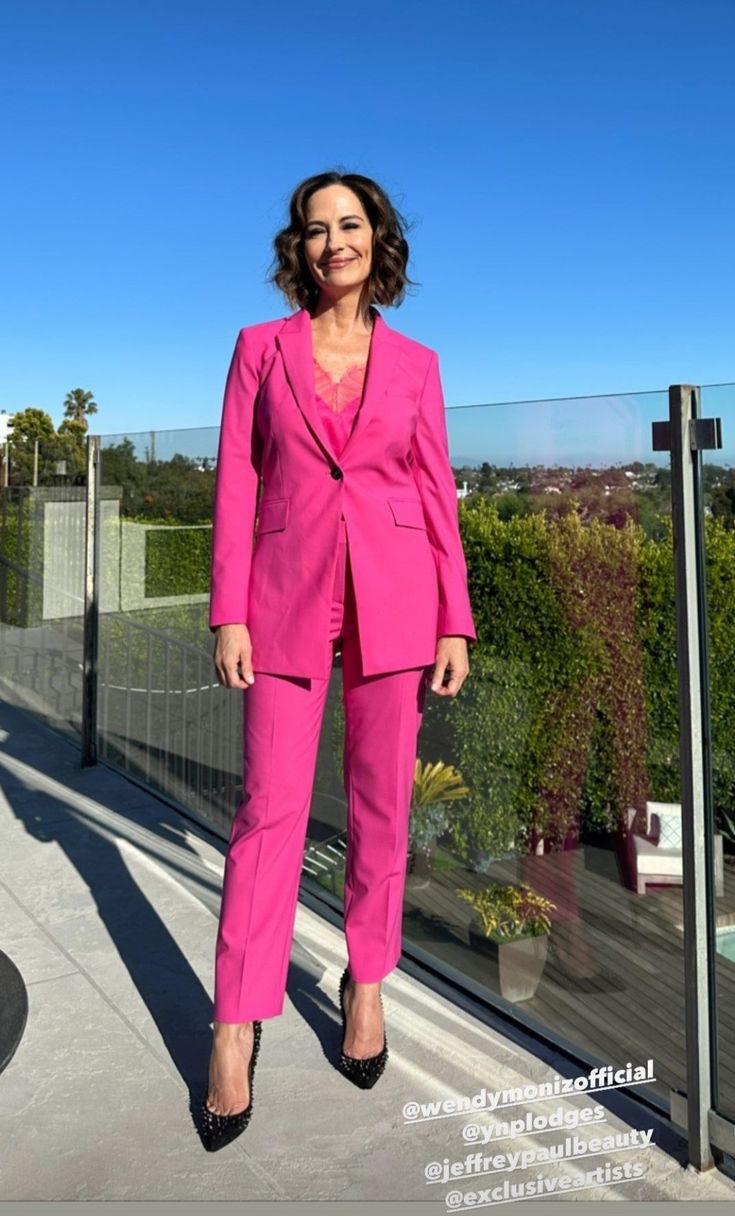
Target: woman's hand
[233,653]
[451,656]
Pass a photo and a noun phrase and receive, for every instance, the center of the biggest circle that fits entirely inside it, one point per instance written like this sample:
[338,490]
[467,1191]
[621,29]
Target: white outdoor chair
[656,855]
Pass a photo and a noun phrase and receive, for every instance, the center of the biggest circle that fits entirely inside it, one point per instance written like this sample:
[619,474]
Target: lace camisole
[338,401]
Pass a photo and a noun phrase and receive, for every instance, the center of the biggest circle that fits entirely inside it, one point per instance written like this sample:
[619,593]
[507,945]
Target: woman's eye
[318,231]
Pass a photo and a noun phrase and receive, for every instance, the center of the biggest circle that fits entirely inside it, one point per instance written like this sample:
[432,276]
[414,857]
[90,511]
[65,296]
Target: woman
[357,545]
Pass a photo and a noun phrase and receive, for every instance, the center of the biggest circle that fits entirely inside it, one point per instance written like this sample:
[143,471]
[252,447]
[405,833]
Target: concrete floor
[108,904]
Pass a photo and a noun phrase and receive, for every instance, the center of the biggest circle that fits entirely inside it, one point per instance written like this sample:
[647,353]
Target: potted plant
[433,786]
[511,928]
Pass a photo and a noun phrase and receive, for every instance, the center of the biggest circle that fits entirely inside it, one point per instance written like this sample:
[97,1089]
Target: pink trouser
[282,724]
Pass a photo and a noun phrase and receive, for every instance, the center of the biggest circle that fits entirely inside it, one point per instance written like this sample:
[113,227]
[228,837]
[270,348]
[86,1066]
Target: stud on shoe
[219,1130]
[363,1073]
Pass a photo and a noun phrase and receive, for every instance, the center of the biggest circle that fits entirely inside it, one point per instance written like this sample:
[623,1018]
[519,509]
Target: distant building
[5,427]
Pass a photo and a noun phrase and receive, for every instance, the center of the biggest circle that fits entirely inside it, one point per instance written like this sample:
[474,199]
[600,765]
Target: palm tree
[78,404]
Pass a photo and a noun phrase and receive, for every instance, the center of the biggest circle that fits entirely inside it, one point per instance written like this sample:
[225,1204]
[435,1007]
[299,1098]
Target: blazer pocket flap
[408,512]
[272,515]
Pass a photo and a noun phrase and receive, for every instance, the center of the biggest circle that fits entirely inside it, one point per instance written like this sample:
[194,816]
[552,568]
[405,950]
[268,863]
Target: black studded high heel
[219,1130]
[363,1073]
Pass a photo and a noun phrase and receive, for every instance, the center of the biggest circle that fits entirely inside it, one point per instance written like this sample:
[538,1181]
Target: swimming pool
[725,939]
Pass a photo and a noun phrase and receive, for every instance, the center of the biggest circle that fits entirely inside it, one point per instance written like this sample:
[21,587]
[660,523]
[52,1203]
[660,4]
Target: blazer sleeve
[435,480]
[237,481]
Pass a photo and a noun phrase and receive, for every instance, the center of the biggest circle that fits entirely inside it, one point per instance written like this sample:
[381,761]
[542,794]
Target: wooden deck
[633,1009]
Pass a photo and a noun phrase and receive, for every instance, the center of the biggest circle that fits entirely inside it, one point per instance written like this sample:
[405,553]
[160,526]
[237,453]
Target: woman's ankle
[231,1030]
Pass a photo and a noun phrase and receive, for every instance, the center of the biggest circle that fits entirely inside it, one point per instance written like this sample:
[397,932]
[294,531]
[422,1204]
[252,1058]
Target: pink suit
[357,538]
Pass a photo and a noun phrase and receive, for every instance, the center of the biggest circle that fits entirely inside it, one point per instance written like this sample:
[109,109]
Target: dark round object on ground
[13,1009]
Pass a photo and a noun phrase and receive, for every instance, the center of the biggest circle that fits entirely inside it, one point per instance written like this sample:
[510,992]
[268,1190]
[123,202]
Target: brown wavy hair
[388,277]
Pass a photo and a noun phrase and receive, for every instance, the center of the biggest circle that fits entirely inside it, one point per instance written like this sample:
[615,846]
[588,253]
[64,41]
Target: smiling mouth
[341,262]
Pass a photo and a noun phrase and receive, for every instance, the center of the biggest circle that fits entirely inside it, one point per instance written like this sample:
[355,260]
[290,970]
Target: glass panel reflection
[542,865]
[42,544]
[163,717]
[718,484]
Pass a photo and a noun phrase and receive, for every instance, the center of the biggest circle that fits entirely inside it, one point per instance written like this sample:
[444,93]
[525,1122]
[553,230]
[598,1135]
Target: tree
[31,426]
[71,442]
[78,404]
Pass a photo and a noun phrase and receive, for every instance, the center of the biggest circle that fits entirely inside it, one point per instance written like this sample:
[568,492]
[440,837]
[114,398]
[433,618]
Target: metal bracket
[722,1133]
[721,1130]
[678,1108]
[704,433]
[661,436]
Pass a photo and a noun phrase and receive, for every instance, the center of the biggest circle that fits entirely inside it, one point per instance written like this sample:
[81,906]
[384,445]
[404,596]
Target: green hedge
[15,549]
[570,712]
[177,562]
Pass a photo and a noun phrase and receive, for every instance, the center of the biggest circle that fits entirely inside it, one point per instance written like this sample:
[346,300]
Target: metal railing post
[685,435]
[90,645]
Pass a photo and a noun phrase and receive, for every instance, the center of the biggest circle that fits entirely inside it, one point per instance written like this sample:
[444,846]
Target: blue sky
[566,166]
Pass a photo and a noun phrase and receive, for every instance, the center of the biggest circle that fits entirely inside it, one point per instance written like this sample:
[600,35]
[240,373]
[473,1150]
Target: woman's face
[337,230]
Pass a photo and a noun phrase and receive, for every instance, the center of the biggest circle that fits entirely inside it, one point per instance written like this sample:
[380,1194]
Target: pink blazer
[273,561]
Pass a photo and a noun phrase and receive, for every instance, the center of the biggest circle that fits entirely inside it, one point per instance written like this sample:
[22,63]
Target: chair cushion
[656,858]
[665,823]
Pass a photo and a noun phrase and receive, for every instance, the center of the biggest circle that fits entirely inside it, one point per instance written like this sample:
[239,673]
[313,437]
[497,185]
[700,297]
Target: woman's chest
[337,362]
[341,394]
[285,403]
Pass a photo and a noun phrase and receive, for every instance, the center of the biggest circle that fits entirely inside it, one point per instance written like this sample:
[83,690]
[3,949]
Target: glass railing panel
[162,715]
[42,555]
[718,488]
[567,729]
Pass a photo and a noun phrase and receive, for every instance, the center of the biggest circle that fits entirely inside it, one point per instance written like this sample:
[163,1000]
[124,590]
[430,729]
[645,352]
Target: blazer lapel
[295,344]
